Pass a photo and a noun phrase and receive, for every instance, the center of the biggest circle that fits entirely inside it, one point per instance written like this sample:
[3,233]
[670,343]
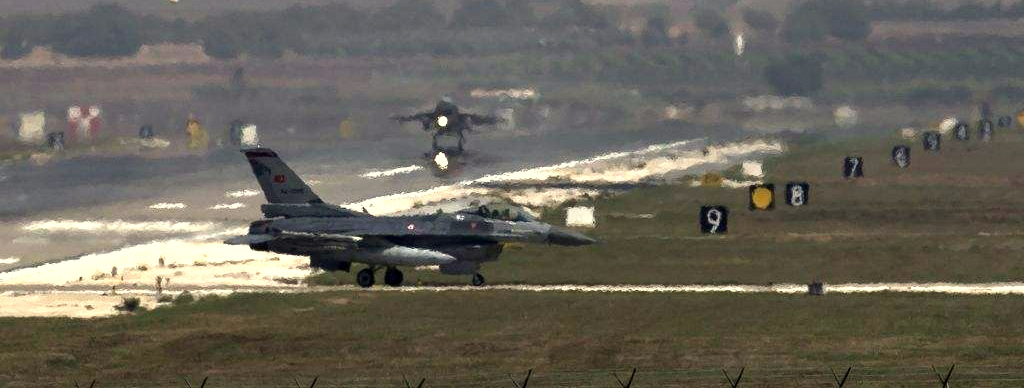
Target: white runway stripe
[117,226]
[391,172]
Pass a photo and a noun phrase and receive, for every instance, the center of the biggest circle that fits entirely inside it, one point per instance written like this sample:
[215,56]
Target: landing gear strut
[365,278]
[478,280]
[393,277]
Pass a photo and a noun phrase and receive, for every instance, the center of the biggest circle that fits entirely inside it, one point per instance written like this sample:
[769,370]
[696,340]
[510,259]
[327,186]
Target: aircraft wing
[424,118]
[310,239]
[482,120]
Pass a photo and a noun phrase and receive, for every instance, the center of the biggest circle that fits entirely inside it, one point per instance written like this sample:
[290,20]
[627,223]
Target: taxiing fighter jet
[448,123]
[298,222]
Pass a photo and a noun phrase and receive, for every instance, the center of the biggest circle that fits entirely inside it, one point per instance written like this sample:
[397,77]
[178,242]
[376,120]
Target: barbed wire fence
[933,376]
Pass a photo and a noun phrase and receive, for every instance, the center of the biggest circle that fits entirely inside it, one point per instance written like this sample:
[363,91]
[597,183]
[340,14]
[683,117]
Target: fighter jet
[448,124]
[298,222]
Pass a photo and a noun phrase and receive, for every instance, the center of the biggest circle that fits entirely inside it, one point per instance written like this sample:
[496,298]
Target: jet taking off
[448,123]
[298,222]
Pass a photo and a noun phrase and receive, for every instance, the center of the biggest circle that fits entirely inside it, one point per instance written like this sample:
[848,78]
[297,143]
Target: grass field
[956,215]
[473,339]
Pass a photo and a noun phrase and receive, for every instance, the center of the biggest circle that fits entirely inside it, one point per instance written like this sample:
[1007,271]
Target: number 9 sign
[714,219]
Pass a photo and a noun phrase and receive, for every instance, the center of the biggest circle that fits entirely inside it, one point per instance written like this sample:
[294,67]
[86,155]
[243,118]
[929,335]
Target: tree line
[112,30]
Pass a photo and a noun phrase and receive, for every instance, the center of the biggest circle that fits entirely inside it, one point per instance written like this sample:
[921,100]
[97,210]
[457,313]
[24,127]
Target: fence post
[840,382]
[949,375]
[628,383]
[525,381]
[739,377]
[407,385]
[311,385]
[201,385]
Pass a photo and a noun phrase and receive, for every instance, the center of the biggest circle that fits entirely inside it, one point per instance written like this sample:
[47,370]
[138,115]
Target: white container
[250,139]
[753,169]
[582,216]
[32,129]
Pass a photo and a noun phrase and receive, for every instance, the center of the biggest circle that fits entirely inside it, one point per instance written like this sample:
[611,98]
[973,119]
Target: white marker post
[250,138]
[32,128]
[580,216]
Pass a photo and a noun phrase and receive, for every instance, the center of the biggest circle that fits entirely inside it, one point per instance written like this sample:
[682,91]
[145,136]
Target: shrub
[130,304]
[814,19]
[184,297]
[760,20]
[711,23]
[795,75]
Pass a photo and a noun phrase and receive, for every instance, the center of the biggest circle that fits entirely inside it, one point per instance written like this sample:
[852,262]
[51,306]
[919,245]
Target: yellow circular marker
[1020,118]
[761,198]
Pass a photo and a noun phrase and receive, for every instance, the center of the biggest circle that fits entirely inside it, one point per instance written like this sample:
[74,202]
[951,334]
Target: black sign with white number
[853,167]
[901,156]
[797,193]
[962,132]
[714,219]
[985,130]
[1005,121]
[932,141]
[55,140]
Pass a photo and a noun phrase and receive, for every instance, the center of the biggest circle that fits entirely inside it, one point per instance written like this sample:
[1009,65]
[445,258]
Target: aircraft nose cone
[561,236]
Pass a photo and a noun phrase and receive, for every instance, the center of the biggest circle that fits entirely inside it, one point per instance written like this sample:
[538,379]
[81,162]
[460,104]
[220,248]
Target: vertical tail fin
[279,183]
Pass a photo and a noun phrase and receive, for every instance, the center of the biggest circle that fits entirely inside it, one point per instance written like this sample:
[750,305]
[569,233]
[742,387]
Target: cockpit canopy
[500,211]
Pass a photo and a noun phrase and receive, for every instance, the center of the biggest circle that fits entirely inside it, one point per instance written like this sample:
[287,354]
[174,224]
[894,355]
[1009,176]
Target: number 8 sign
[714,219]
[797,193]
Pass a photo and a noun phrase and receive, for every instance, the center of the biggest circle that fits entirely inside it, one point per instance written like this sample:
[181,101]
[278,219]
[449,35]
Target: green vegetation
[112,30]
[795,75]
[711,23]
[813,20]
[934,10]
[183,298]
[760,20]
[130,304]
[474,338]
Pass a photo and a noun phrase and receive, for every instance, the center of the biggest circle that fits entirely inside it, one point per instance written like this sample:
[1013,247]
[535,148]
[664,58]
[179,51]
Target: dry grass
[477,337]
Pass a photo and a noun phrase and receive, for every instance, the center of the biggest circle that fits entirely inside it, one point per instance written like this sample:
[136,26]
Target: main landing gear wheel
[365,278]
[478,280]
[393,277]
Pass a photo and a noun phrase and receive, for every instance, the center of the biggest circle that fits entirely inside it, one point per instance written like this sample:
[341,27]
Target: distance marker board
[853,167]
[932,141]
[714,219]
[797,193]
[962,132]
[985,128]
[901,156]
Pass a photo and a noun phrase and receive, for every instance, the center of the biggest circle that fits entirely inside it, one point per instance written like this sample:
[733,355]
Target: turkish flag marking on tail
[278,178]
